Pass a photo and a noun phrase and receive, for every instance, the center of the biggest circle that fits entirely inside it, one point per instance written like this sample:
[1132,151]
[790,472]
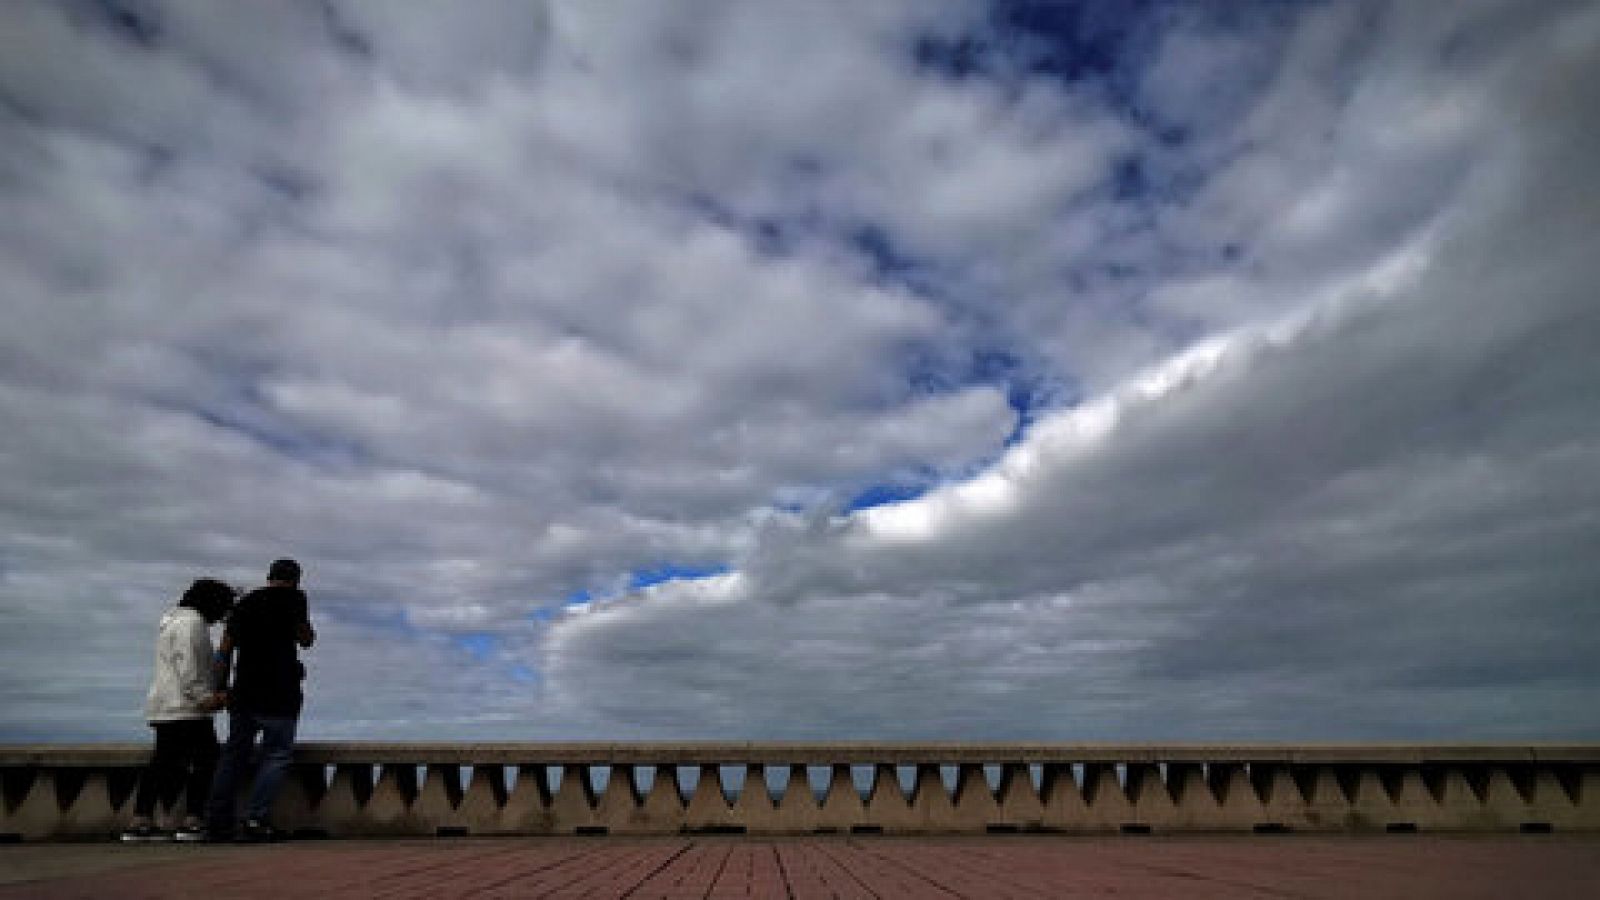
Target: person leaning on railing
[179,707]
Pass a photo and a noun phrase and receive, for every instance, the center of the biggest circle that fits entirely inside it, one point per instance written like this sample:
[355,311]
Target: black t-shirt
[267,672]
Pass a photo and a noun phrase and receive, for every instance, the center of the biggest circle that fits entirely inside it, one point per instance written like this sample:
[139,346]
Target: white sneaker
[145,834]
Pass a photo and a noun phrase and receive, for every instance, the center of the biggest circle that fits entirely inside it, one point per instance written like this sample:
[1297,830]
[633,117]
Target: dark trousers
[277,751]
[186,754]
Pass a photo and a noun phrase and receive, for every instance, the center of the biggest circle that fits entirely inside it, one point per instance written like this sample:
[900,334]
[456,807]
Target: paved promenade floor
[1409,866]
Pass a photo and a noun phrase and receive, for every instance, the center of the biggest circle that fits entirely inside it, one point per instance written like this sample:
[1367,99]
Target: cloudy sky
[838,369]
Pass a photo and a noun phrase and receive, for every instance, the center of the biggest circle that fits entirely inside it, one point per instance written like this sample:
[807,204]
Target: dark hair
[211,598]
[284,570]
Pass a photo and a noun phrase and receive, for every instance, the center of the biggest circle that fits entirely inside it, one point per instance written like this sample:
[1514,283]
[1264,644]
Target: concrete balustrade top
[831,753]
[82,791]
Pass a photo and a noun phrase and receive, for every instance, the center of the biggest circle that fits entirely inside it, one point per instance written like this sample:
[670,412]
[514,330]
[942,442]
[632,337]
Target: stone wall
[78,791]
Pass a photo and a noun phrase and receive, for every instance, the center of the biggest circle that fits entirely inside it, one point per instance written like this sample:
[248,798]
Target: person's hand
[219,700]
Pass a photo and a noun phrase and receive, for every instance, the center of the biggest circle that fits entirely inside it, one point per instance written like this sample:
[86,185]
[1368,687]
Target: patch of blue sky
[889,259]
[1073,40]
[344,34]
[237,404]
[1108,47]
[363,612]
[480,645]
[637,580]
[770,235]
[1031,389]
[284,440]
[886,494]
[243,410]
[648,577]
[286,182]
[134,22]
[1076,39]
[955,56]
[156,159]
[1131,178]
[971,354]
[801,499]
[895,264]
[484,649]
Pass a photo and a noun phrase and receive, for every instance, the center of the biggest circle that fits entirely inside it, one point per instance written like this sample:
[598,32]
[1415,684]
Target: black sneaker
[145,834]
[255,831]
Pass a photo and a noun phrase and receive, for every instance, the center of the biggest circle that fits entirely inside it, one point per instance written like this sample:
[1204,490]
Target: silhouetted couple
[260,651]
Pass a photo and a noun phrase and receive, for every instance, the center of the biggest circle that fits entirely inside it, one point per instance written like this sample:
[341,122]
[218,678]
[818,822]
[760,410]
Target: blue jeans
[277,750]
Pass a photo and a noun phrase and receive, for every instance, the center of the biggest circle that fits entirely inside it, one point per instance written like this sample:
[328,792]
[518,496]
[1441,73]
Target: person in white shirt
[179,706]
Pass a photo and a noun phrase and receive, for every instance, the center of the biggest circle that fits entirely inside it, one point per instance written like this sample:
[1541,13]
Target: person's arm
[303,632]
[189,664]
[222,662]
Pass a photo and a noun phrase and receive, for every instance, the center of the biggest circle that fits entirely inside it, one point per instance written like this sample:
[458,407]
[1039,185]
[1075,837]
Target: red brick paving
[1194,868]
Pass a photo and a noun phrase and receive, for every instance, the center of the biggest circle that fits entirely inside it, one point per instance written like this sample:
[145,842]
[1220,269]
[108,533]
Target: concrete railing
[74,791]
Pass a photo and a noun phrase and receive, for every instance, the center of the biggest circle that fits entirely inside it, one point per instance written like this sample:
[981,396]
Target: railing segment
[85,791]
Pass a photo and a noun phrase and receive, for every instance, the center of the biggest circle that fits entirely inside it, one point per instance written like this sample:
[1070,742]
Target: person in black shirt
[265,631]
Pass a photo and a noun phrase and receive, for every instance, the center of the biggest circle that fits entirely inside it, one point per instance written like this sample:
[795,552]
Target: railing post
[888,807]
[1149,801]
[1019,805]
[481,808]
[1062,799]
[754,809]
[1328,807]
[1456,806]
[1586,806]
[435,805]
[1195,807]
[343,806]
[573,806]
[388,810]
[797,811]
[661,811]
[295,807]
[973,806]
[931,806]
[1412,807]
[708,807]
[15,784]
[527,806]
[1371,806]
[618,806]
[1551,802]
[1283,805]
[1107,802]
[841,808]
